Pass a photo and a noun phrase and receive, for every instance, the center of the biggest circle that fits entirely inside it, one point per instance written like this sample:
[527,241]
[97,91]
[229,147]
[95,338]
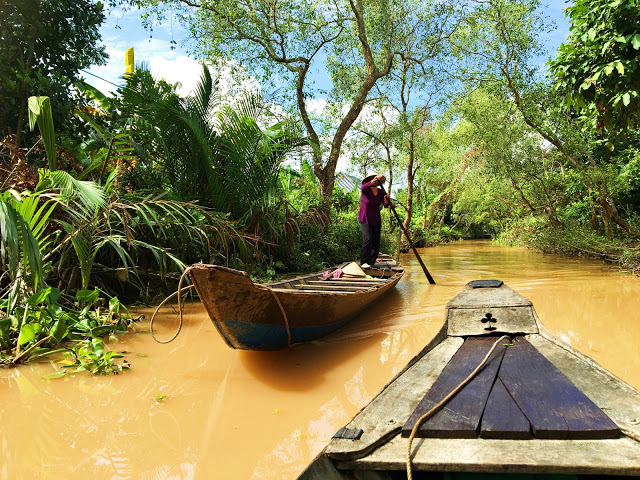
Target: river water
[196,409]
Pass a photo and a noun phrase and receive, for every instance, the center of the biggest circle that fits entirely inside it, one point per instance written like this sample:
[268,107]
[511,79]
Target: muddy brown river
[196,409]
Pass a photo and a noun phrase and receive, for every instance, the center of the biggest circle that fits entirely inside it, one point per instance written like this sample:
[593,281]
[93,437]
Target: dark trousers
[370,243]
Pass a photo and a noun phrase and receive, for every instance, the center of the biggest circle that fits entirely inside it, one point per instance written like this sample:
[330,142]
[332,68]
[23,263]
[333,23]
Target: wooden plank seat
[518,394]
[352,279]
[301,291]
[331,288]
[346,284]
[555,407]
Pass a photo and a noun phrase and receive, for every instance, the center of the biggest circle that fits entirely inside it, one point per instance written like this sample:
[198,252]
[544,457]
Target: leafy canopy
[45,43]
[598,64]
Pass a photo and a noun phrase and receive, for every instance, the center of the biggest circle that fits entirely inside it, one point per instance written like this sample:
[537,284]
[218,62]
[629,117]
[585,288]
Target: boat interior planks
[619,400]
[349,288]
[540,380]
[318,290]
[348,282]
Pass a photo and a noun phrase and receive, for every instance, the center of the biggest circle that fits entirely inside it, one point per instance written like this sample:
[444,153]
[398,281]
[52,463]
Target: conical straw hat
[353,270]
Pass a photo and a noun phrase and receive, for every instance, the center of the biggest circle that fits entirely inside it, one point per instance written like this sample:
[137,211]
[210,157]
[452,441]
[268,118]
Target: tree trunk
[550,217]
[593,220]
[410,177]
[444,214]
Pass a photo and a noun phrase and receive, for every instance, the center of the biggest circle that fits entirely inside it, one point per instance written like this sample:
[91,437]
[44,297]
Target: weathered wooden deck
[517,394]
[554,410]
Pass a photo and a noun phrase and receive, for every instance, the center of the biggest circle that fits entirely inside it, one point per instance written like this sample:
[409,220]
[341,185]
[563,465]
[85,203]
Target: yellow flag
[128,61]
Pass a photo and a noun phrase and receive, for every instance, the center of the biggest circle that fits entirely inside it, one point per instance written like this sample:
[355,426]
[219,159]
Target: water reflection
[265,415]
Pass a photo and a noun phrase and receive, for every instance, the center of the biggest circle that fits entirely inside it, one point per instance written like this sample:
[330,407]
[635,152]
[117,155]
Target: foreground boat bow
[536,407]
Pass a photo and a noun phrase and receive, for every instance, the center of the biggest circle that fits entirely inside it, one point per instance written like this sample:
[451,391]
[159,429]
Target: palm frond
[82,244]
[9,240]
[89,194]
[40,113]
[18,243]
[103,100]
[205,97]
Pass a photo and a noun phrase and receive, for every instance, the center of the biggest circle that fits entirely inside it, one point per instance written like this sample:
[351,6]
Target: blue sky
[124,29]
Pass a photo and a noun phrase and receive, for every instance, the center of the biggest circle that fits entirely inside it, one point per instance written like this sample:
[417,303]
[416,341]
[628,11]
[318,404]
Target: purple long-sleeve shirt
[370,205]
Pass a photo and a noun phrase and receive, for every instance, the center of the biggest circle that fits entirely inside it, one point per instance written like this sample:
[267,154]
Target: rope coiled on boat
[180,308]
[444,401]
[284,314]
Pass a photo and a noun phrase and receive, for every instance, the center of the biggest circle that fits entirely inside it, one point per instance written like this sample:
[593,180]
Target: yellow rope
[445,400]
[180,309]
[284,314]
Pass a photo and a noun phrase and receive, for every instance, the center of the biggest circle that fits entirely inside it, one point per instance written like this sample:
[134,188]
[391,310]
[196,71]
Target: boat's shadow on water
[303,366]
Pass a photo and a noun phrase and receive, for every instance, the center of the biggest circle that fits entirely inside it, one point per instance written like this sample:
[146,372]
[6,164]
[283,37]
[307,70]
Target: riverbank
[579,243]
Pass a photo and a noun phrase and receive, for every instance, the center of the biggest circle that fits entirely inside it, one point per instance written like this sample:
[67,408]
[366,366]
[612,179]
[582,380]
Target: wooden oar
[406,234]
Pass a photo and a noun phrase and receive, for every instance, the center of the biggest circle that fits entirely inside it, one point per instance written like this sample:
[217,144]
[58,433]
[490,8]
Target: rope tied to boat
[284,314]
[445,400]
[180,307]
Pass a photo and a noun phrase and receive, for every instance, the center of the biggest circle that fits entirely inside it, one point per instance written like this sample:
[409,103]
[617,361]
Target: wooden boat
[537,406]
[272,316]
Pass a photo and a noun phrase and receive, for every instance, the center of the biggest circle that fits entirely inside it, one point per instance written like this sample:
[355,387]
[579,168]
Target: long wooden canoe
[272,316]
[537,406]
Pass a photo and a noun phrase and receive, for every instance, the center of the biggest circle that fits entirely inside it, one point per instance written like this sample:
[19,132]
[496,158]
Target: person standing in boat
[371,201]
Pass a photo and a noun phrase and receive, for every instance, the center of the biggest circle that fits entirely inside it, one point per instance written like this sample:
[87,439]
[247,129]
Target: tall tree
[43,46]
[500,48]
[292,38]
[415,83]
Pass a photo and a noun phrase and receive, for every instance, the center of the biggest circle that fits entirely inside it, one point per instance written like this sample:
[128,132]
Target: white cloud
[182,69]
[316,105]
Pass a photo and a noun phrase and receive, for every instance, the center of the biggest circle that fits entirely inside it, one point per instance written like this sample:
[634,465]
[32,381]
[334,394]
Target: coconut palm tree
[205,150]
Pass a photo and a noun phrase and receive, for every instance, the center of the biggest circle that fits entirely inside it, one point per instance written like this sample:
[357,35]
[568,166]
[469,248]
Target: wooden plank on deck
[460,417]
[555,407]
[502,418]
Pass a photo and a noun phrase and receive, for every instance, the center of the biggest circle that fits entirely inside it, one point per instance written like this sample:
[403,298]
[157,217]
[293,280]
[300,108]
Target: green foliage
[20,250]
[92,356]
[37,318]
[33,320]
[318,246]
[575,239]
[200,149]
[47,321]
[597,66]
[45,45]
[344,201]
